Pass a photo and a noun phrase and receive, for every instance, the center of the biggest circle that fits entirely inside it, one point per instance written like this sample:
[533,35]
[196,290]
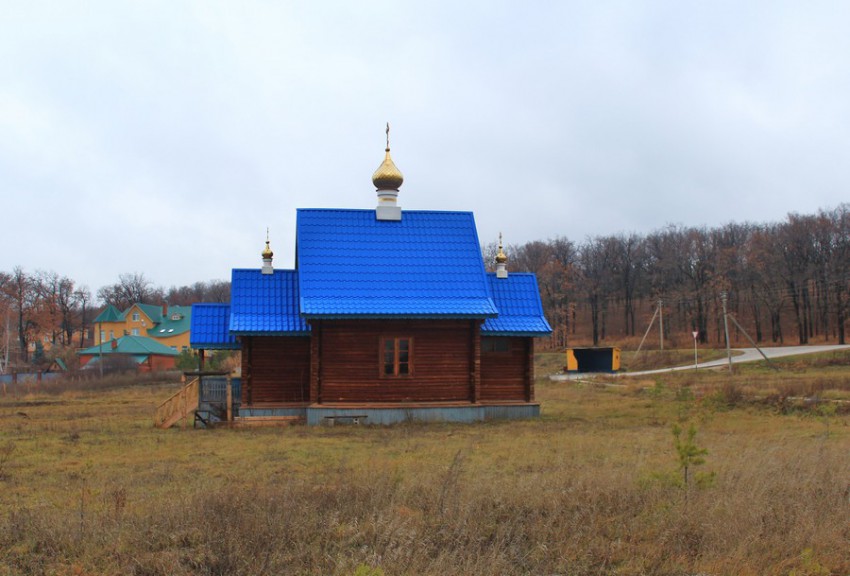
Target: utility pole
[696,334]
[4,365]
[753,342]
[661,322]
[726,329]
[100,349]
[645,334]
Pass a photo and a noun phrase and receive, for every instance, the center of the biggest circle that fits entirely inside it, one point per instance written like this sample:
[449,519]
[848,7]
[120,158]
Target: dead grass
[87,486]
[546,363]
[794,383]
[88,381]
[653,359]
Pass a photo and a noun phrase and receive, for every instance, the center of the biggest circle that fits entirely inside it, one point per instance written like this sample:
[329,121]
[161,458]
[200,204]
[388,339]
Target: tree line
[45,309]
[785,282]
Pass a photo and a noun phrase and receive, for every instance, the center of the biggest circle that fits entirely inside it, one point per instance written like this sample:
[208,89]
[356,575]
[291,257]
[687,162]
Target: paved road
[741,355]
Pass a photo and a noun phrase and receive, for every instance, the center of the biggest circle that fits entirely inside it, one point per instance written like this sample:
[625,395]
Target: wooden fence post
[183,407]
[229,399]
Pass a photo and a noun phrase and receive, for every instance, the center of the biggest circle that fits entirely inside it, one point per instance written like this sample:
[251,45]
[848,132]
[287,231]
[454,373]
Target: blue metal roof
[520,310]
[427,265]
[265,304]
[211,328]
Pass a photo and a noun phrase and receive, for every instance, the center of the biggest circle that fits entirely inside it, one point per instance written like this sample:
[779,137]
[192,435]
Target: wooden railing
[180,405]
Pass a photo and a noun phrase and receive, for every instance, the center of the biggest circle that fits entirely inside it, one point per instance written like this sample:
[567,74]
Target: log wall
[341,362]
[350,369]
[275,369]
[505,375]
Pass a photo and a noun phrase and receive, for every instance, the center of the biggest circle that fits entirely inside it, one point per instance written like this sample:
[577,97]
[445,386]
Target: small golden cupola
[267,255]
[501,261]
[387,180]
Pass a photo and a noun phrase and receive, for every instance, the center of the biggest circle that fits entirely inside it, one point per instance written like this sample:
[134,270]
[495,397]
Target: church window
[396,357]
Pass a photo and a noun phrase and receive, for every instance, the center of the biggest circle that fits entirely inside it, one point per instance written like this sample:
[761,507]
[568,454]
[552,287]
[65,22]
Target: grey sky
[164,137]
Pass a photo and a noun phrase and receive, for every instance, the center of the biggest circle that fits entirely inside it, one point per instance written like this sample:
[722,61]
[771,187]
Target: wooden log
[229,399]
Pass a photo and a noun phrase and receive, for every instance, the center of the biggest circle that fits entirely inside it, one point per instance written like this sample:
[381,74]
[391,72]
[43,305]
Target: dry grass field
[595,486]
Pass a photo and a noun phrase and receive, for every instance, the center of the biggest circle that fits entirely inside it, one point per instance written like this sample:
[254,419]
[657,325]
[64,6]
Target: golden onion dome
[501,257]
[387,176]
[267,252]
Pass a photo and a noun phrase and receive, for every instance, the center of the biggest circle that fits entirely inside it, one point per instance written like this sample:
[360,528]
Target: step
[259,421]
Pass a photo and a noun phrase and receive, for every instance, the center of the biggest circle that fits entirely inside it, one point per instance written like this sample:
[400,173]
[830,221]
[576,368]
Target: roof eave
[269,333]
[337,316]
[215,346]
[518,334]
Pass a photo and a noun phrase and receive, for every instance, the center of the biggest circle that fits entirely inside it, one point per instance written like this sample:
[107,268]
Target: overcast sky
[164,137]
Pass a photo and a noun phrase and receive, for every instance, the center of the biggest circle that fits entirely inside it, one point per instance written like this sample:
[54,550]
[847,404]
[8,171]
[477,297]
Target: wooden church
[389,315]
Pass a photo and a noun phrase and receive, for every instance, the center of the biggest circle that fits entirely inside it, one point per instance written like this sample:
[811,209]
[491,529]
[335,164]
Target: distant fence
[24,377]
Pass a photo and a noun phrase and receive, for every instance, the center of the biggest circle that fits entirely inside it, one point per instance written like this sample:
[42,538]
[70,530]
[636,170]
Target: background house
[144,353]
[167,325]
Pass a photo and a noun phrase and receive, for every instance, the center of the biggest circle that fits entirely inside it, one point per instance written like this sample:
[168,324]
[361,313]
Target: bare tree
[627,269]
[838,266]
[82,299]
[130,289]
[557,283]
[595,259]
[212,291]
[66,302]
[488,254]
[531,256]
[763,262]
[5,321]
[218,291]
[24,299]
[47,285]
[795,246]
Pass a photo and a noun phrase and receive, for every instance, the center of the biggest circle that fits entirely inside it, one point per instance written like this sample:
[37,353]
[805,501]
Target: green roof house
[168,325]
[146,353]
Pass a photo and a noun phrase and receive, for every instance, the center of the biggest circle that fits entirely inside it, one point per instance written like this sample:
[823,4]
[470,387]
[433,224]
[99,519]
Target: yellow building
[168,325]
